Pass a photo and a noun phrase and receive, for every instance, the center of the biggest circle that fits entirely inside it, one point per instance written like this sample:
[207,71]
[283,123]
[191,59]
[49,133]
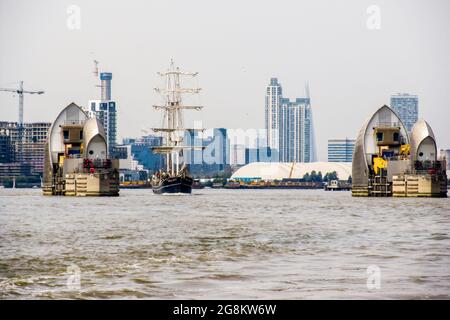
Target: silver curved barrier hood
[365,143]
[419,133]
[70,114]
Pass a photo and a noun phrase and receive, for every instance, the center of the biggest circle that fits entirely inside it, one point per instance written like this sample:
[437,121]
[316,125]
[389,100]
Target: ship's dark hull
[173,185]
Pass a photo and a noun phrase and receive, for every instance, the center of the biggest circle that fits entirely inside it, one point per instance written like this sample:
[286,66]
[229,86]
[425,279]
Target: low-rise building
[340,150]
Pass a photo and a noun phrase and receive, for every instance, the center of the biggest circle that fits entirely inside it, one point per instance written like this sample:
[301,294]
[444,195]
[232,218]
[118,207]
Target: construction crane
[20,92]
[96,68]
[96,72]
[292,169]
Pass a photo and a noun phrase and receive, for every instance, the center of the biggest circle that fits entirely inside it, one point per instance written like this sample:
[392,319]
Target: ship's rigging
[173,128]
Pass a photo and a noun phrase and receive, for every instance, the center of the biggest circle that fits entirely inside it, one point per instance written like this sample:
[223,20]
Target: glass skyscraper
[340,150]
[273,101]
[214,156]
[406,106]
[105,110]
[295,130]
[289,125]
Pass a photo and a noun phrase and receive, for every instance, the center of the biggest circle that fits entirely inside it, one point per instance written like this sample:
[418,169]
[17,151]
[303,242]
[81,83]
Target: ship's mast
[173,116]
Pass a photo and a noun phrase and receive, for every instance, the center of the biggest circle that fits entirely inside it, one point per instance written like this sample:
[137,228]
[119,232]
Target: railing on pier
[97,163]
[73,122]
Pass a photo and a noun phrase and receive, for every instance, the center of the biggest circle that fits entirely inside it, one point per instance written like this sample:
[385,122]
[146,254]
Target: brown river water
[223,244]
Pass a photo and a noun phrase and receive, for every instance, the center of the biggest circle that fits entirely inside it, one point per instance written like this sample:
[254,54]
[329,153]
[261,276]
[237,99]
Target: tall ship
[76,161]
[174,178]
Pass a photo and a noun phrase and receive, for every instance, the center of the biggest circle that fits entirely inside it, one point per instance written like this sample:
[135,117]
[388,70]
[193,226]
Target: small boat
[217,185]
[197,184]
[232,185]
[336,185]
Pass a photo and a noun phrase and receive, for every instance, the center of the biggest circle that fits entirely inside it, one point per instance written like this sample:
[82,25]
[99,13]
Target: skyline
[236,153]
[351,69]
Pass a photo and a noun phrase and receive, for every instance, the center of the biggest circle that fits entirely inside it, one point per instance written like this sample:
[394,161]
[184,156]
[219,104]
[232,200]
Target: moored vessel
[197,184]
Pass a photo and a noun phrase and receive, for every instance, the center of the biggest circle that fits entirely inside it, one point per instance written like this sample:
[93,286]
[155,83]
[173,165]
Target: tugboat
[175,177]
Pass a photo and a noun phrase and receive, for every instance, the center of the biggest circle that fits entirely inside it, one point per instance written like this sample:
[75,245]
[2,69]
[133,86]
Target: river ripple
[239,244]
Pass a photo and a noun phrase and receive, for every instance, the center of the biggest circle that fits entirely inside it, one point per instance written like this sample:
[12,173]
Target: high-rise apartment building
[27,152]
[105,110]
[289,125]
[272,111]
[406,106]
[295,131]
[34,137]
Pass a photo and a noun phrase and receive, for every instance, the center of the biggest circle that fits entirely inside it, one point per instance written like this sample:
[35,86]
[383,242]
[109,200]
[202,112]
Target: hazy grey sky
[236,46]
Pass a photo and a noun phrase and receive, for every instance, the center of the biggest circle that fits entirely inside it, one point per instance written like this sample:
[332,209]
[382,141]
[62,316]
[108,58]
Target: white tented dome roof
[280,170]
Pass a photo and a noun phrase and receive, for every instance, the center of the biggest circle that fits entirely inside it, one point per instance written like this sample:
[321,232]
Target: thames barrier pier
[389,161]
[76,157]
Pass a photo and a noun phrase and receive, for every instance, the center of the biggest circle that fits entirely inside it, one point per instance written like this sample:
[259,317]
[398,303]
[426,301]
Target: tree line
[318,177]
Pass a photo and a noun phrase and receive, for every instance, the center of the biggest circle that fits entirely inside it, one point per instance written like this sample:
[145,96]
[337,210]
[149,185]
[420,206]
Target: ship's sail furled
[173,130]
